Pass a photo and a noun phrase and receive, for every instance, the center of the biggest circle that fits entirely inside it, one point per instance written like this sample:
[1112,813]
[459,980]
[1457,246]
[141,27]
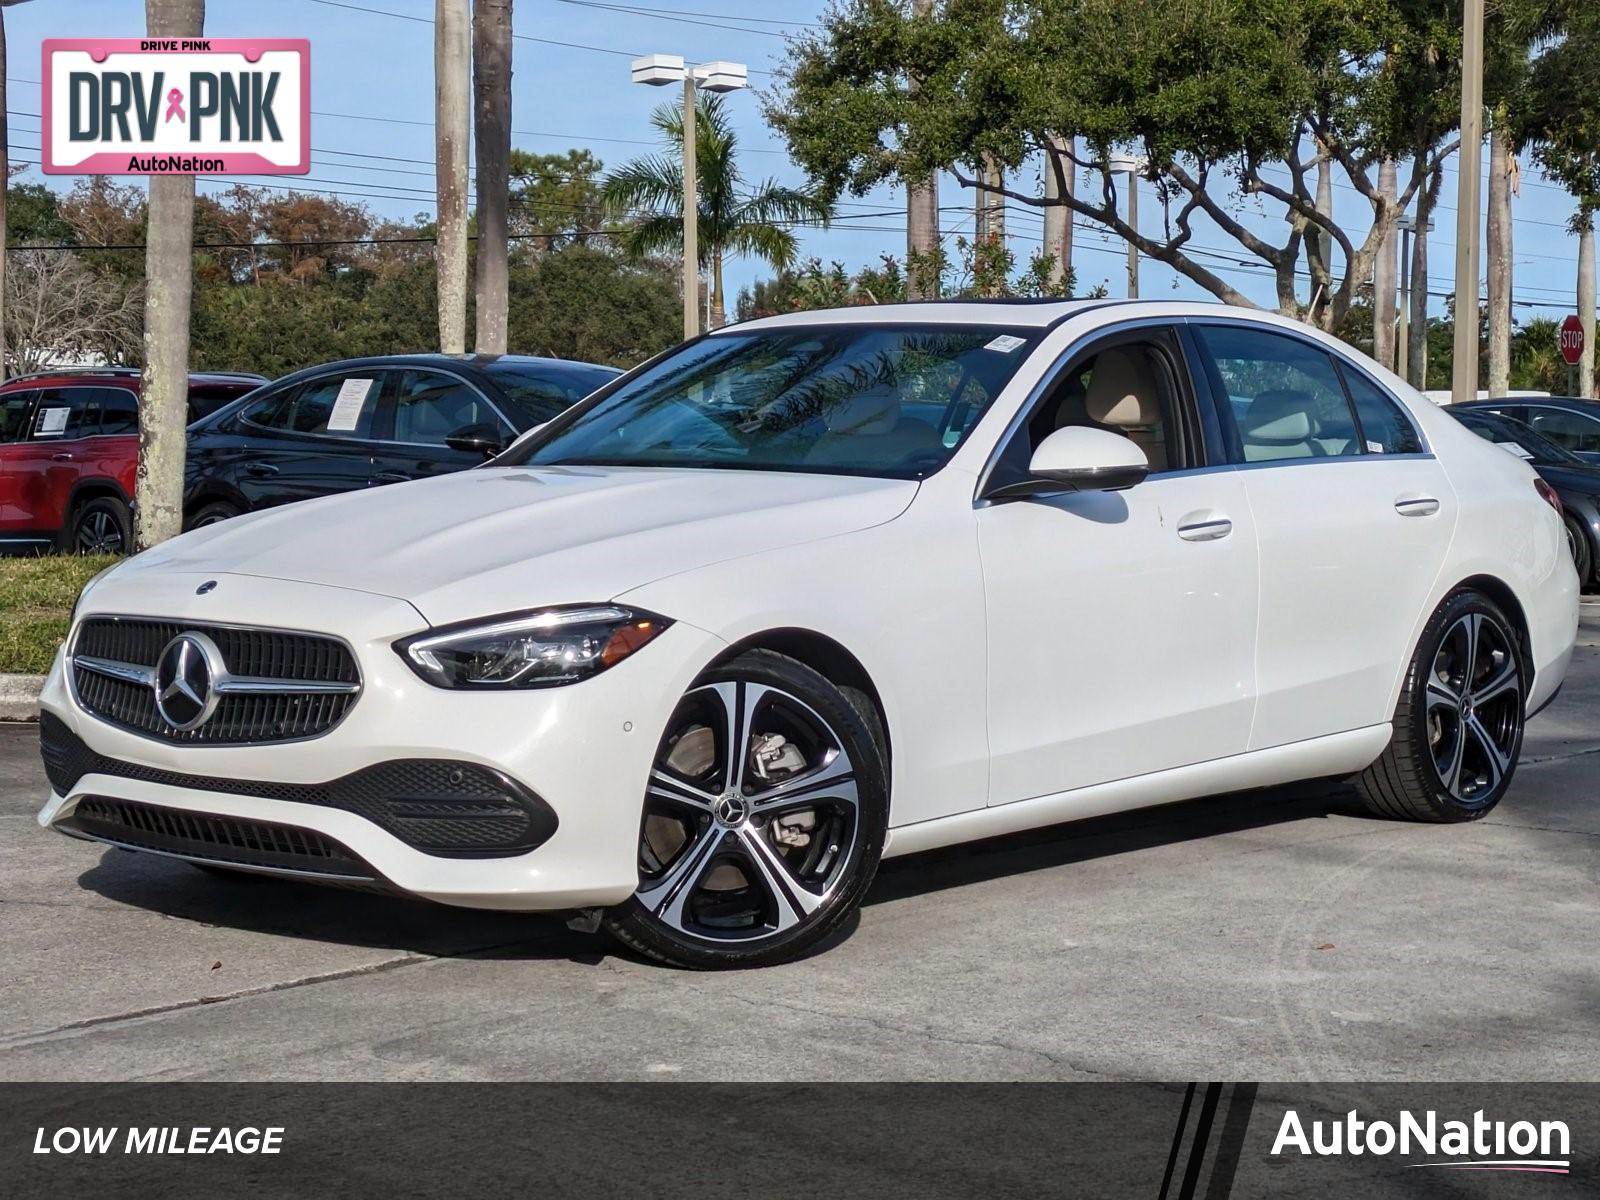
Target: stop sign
[1570,340]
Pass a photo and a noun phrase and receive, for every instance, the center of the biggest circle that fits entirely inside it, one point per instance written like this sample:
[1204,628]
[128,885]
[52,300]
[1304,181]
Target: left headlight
[548,648]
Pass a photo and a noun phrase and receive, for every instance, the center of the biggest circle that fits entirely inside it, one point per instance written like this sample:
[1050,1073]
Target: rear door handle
[1416,506]
[1209,528]
[393,477]
[62,457]
[260,469]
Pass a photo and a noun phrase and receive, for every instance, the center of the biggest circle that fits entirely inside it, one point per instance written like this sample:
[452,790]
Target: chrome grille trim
[280,685]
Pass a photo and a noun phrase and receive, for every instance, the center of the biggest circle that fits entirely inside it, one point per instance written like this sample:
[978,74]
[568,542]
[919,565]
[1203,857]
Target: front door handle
[1416,506]
[62,457]
[260,470]
[393,477]
[1209,528]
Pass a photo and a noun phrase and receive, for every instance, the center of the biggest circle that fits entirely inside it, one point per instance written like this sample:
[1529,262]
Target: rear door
[426,408]
[16,421]
[1353,516]
[313,438]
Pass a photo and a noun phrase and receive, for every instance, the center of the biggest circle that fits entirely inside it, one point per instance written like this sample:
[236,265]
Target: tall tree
[1227,101]
[169,274]
[1058,182]
[491,81]
[922,211]
[1417,328]
[731,220]
[451,56]
[1384,278]
[1586,303]
[556,199]
[5,175]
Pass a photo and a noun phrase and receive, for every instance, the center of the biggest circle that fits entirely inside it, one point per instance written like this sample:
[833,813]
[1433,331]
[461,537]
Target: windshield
[1508,430]
[536,393]
[885,400]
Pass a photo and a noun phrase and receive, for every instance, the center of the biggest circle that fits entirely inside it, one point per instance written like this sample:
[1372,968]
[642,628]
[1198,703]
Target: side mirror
[1079,459]
[477,439]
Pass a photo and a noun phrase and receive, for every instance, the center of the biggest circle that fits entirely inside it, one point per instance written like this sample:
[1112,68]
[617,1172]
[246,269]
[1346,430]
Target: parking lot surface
[1279,934]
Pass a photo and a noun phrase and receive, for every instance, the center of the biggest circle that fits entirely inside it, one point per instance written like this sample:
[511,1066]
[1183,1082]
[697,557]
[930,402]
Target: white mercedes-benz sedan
[821,588]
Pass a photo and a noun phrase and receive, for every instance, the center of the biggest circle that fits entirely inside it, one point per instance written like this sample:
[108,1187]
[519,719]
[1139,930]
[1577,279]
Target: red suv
[69,444]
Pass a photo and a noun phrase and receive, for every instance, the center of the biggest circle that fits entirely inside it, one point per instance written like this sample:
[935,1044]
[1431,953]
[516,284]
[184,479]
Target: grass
[36,596]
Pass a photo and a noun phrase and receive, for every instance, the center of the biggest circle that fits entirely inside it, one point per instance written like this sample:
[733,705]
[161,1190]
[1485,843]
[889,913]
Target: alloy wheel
[752,815]
[1474,707]
[98,533]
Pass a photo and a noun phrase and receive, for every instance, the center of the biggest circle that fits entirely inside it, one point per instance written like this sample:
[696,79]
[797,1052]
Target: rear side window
[1571,430]
[330,406]
[205,399]
[1384,428]
[1285,395]
[15,408]
[119,411]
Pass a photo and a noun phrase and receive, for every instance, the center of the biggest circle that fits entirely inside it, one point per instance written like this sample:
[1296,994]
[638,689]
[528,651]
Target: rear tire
[101,525]
[1582,555]
[763,823]
[1458,726]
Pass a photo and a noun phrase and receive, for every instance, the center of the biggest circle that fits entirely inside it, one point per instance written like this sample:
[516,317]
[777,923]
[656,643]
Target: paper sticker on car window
[1005,343]
[347,406]
[51,421]
[1374,447]
[1517,449]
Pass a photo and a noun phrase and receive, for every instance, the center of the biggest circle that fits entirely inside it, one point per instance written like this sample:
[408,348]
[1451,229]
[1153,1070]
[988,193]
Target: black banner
[921,1141]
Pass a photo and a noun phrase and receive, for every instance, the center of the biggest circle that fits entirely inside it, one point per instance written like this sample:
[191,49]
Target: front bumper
[584,750]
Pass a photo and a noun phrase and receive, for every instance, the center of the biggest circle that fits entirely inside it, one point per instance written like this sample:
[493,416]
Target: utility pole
[691,211]
[1586,304]
[1464,369]
[452,85]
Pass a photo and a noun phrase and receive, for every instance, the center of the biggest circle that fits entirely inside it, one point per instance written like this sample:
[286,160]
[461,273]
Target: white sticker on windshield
[347,407]
[1006,343]
[51,421]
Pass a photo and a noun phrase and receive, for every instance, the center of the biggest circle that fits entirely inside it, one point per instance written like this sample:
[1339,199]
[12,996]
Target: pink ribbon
[175,105]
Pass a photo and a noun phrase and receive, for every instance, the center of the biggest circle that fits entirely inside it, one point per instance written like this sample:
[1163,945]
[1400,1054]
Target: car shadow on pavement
[1119,833]
[341,916]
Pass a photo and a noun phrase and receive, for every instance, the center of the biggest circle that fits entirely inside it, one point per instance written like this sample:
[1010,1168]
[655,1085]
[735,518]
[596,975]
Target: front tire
[764,819]
[1458,726]
[102,525]
[214,513]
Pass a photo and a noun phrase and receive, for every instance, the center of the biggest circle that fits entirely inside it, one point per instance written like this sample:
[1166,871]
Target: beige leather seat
[1123,394]
[869,428]
[1279,424]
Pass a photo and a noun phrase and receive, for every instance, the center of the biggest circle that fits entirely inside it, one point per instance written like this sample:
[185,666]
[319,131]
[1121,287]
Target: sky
[372,95]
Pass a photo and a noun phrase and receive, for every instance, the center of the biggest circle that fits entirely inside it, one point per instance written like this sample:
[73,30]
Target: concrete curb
[19,697]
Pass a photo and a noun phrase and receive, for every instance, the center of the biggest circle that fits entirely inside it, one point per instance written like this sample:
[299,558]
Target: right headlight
[549,648]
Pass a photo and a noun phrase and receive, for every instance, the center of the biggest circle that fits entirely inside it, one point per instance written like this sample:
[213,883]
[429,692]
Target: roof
[435,359]
[1013,313]
[133,374]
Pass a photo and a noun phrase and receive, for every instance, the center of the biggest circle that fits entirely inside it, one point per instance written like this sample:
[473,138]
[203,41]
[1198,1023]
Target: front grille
[451,809]
[214,838]
[263,654]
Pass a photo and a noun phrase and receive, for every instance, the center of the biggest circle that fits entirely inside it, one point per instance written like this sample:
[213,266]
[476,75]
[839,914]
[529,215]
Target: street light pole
[1464,367]
[691,212]
[1130,165]
[658,70]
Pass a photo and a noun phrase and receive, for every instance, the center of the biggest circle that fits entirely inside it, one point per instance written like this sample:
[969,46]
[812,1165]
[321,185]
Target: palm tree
[169,274]
[730,221]
[491,83]
[452,56]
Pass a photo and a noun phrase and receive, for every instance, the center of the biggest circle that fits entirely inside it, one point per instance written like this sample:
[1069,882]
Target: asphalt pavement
[1278,934]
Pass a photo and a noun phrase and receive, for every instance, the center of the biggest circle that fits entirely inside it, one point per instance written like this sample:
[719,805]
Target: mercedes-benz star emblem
[186,680]
[209,585]
[731,809]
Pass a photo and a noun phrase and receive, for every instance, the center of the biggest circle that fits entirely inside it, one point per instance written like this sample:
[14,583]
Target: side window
[431,406]
[1569,429]
[1285,395]
[16,410]
[331,406]
[1384,428]
[66,413]
[1132,388]
[119,411]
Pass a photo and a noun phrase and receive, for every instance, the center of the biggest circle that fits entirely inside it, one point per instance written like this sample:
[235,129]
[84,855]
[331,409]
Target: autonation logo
[1476,1145]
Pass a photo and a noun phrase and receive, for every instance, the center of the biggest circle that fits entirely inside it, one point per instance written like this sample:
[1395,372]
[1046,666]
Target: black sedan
[370,421]
[1577,482]
[1569,421]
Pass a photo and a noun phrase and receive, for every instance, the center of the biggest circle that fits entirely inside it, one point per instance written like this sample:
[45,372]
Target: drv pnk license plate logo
[177,106]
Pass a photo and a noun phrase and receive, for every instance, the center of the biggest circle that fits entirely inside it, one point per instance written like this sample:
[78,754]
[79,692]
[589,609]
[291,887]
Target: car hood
[499,539]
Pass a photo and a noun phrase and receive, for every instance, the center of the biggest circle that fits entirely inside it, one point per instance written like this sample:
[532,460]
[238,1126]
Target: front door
[429,407]
[312,439]
[1121,625]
